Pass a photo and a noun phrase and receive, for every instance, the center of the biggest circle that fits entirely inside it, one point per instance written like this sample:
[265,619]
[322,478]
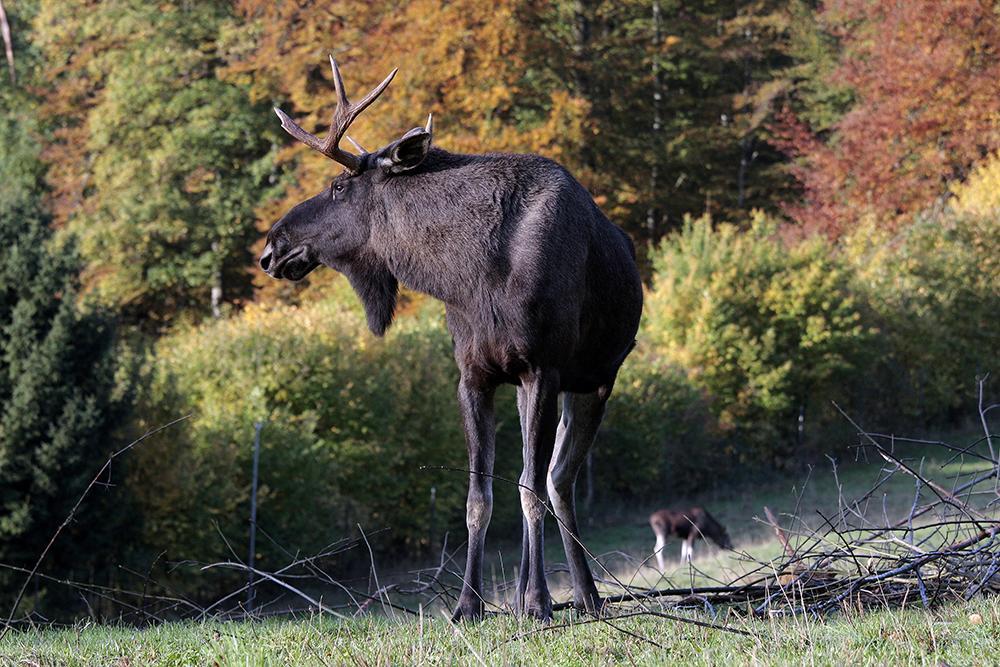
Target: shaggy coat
[540,289]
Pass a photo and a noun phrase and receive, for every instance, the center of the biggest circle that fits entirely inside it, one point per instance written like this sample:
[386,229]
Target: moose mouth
[294,266]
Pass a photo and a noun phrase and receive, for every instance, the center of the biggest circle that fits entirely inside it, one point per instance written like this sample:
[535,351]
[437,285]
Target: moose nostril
[265,259]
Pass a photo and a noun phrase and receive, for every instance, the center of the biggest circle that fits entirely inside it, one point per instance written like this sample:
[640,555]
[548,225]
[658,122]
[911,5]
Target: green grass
[621,539]
[887,637]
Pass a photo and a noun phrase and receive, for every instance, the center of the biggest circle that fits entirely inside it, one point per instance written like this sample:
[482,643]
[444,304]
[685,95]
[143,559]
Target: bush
[659,439]
[349,421]
[932,289]
[767,331]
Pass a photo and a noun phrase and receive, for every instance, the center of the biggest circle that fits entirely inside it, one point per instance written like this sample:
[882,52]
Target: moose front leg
[476,403]
[539,406]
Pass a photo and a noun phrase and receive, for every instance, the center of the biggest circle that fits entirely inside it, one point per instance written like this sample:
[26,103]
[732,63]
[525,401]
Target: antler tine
[373,95]
[343,116]
[292,128]
[338,84]
[358,147]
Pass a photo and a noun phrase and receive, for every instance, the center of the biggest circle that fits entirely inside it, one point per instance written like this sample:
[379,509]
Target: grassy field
[887,638]
[958,633]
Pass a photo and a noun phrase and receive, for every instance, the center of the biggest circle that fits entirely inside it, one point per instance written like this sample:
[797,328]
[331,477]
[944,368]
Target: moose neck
[437,229]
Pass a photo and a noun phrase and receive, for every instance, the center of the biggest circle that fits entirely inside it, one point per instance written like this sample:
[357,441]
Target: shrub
[658,439]
[932,290]
[765,330]
[350,420]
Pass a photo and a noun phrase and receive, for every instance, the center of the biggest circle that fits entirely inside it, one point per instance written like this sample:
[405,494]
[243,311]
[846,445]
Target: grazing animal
[541,291]
[688,525]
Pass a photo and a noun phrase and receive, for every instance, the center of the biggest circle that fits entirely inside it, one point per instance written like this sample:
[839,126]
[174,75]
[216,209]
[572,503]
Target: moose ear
[407,152]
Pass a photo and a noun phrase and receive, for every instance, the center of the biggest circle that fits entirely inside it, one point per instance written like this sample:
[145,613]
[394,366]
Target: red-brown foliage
[926,80]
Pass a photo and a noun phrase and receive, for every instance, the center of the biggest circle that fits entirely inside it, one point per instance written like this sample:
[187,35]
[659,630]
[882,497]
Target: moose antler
[343,116]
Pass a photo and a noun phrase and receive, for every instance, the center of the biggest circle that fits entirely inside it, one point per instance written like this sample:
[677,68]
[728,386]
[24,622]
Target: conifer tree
[58,398]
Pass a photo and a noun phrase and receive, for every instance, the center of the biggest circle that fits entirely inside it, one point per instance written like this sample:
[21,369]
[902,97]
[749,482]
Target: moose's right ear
[407,152]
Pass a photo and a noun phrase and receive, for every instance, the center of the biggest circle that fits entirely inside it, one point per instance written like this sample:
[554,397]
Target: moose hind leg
[522,580]
[479,422]
[540,414]
[581,418]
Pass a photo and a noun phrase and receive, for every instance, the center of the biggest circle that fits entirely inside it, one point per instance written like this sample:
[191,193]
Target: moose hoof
[590,603]
[537,606]
[540,613]
[468,610]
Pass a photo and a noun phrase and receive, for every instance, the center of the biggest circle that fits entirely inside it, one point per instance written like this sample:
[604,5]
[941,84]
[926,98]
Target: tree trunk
[216,297]
[747,156]
[749,142]
[7,43]
[652,212]
[582,32]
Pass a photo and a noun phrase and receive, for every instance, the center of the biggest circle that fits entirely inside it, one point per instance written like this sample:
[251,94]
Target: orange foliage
[467,62]
[471,75]
[70,91]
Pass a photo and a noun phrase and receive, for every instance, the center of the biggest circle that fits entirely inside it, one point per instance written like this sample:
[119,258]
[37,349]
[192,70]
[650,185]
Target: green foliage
[21,172]
[932,289]
[766,330]
[659,439]
[349,421]
[58,398]
[168,161]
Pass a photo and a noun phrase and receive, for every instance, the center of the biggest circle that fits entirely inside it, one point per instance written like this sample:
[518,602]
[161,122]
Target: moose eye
[338,187]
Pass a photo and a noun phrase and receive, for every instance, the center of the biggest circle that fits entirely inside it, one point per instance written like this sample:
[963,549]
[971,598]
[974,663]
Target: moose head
[332,228]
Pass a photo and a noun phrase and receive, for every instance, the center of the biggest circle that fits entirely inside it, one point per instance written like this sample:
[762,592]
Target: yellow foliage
[979,195]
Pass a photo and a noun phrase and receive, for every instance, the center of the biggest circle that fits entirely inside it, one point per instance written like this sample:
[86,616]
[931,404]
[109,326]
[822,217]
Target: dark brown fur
[541,291]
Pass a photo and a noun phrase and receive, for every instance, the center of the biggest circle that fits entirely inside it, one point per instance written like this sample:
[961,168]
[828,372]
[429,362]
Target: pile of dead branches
[945,548]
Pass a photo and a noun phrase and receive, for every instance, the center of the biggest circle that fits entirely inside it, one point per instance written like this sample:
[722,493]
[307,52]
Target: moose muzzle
[288,264]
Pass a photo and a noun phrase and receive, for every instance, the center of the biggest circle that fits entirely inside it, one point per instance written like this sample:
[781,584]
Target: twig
[778,532]
[72,513]
[267,575]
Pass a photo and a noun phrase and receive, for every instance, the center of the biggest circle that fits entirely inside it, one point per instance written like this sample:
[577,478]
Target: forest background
[813,189]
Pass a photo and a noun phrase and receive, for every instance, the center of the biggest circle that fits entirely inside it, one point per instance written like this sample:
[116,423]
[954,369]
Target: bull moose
[541,291]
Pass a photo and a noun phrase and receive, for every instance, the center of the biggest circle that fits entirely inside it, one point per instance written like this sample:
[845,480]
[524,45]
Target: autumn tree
[581,81]
[923,77]
[158,164]
[466,62]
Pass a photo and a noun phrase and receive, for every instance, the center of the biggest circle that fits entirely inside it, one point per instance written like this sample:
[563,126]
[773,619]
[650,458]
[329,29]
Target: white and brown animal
[688,525]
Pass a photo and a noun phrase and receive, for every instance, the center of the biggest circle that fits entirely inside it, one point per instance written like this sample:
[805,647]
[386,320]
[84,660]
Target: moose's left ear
[407,152]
